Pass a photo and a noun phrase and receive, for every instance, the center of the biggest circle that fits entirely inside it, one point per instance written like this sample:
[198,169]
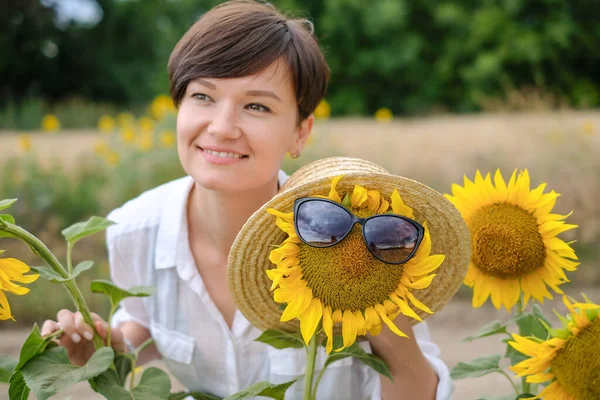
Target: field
[560,148]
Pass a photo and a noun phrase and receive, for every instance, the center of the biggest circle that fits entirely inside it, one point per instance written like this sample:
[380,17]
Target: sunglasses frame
[362,222]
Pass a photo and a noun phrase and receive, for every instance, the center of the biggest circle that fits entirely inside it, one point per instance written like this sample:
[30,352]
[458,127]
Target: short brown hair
[242,38]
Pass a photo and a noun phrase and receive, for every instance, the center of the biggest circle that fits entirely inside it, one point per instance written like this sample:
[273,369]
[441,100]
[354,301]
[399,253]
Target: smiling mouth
[222,154]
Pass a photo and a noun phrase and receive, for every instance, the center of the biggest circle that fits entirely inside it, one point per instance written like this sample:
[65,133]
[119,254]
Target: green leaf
[281,340]
[347,200]
[4,204]
[480,366]
[513,355]
[529,325]
[82,266]
[116,294]
[33,346]
[7,218]
[17,390]
[51,371]
[356,351]
[266,389]
[123,366]
[7,365]
[49,274]
[195,395]
[155,384]
[493,328]
[82,229]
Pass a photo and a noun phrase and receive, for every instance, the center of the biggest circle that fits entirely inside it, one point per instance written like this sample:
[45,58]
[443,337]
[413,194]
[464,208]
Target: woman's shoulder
[146,209]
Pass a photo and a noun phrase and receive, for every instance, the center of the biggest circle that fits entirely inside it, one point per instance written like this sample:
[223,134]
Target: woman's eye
[201,96]
[258,107]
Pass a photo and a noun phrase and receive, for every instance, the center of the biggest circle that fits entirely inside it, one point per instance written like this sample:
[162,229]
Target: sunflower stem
[40,249]
[311,356]
[511,382]
[519,311]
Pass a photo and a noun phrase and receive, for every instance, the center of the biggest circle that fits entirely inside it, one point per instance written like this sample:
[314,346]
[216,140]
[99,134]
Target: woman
[246,81]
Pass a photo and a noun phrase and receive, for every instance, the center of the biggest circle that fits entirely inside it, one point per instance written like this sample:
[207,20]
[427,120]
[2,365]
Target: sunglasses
[391,238]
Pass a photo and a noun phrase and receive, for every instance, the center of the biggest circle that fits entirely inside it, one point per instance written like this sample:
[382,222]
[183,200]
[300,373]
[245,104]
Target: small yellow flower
[106,124]
[383,115]
[127,134]
[146,124]
[24,142]
[11,271]
[588,128]
[162,106]
[167,138]
[146,143]
[125,120]
[101,147]
[323,110]
[50,123]
[112,158]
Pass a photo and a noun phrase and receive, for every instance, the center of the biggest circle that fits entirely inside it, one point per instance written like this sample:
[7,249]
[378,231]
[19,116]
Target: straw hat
[249,256]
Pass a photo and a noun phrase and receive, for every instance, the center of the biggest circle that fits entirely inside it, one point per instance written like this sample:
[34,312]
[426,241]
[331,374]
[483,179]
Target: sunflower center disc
[347,276]
[506,241]
[577,365]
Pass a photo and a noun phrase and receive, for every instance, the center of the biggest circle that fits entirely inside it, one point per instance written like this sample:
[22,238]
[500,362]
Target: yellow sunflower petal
[349,328]
[373,200]
[418,304]
[286,295]
[399,207]
[5,308]
[310,318]
[11,287]
[298,304]
[333,194]
[359,196]
[382,314]
[372,321]
[336,316]
[361,326]
[430,264]
[285,250]
[385,205]
[288,217]
[405,308]
[328,328]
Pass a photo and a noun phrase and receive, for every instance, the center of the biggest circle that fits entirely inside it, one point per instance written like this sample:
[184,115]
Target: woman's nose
[223,124]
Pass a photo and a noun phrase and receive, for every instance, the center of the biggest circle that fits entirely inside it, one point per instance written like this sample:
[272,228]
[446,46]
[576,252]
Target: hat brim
[249,256]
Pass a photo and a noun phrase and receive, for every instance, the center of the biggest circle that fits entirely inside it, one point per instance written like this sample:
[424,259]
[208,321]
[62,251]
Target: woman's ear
[303,132]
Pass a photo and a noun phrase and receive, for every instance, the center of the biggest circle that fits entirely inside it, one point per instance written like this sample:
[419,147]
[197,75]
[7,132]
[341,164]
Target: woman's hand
[77,335]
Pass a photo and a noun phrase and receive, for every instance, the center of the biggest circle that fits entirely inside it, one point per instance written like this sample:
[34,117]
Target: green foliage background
[415,57]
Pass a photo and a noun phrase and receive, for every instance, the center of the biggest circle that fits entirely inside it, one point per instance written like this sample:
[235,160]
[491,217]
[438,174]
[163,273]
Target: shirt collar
[172,219]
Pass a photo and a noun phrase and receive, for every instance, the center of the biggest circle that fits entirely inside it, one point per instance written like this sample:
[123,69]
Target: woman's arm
[414,377]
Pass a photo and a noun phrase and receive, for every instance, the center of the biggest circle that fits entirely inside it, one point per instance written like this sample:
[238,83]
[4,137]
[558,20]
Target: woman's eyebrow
[265,93]
[206,83]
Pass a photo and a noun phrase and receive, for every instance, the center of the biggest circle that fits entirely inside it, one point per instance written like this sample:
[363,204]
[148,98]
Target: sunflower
[514,245]
[569,361]
[345,284]
[12,270]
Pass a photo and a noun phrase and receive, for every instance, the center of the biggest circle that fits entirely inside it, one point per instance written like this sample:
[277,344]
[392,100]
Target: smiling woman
[246,80]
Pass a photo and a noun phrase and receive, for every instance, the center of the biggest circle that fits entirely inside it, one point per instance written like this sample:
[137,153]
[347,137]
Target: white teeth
[223,154]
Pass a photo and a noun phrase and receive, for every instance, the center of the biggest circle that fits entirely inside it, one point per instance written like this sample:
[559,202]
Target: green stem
[69,262]
[511,382]
[524,384]
[132,375]
[311,356]
[109,329]
[40,249]
[316,385]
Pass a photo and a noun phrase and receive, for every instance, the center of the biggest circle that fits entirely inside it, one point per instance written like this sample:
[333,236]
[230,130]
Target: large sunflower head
[345,283]
[569,362]
[514,239]
[344,286]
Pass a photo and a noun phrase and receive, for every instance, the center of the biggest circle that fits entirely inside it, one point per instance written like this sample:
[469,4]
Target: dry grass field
[561,148]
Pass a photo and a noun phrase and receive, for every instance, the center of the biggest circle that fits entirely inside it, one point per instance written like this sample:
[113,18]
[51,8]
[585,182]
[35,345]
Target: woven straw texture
[249,256]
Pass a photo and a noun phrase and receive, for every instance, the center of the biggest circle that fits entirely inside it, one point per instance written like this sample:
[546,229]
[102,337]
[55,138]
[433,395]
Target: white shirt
[150,246]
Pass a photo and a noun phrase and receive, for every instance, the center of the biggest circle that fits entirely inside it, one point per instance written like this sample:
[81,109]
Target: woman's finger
[67,321]
[82,327]
[49,327]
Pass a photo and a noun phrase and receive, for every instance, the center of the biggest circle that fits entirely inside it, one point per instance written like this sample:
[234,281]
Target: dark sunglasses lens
[392,239]
[321,223]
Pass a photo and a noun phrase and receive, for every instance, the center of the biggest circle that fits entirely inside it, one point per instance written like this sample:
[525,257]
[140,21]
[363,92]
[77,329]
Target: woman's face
[232,134]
